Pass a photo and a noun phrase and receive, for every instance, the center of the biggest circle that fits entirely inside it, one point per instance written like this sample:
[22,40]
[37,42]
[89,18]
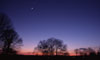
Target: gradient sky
[76,22]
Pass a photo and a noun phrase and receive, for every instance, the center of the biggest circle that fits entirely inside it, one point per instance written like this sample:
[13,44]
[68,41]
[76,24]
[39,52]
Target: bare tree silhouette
[9,39]
[85,51]
[98,52]
[76,52]
[52,46]
[91,52]
[64,50]
[43,47]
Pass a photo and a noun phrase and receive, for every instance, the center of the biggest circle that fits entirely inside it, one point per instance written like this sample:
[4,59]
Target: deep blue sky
[76,22]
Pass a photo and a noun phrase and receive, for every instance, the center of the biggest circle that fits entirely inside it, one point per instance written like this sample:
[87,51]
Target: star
[32,8]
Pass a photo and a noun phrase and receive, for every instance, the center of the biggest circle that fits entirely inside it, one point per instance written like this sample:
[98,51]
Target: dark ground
[29,57]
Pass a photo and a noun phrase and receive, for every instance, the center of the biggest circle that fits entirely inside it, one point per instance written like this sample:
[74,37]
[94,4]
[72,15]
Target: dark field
[30,57]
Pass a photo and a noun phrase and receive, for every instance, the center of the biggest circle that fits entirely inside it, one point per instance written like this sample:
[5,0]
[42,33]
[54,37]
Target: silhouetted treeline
[52,46]
[87,52]
[50,49]
[9,39]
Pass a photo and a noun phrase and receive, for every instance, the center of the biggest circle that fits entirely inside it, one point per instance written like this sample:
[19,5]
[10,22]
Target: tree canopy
[9,39]
[52,46]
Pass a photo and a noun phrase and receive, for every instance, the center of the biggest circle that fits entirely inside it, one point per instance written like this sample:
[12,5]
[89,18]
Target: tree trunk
[56,51]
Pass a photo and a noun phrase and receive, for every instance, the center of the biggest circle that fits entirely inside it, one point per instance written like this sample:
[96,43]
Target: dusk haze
[73,23]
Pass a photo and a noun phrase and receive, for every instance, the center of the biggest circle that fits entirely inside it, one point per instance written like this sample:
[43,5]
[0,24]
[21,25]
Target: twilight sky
[76,22]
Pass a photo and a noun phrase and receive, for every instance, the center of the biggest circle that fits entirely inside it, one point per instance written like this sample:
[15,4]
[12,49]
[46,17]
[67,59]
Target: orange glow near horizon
[71,53]
[29,51]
